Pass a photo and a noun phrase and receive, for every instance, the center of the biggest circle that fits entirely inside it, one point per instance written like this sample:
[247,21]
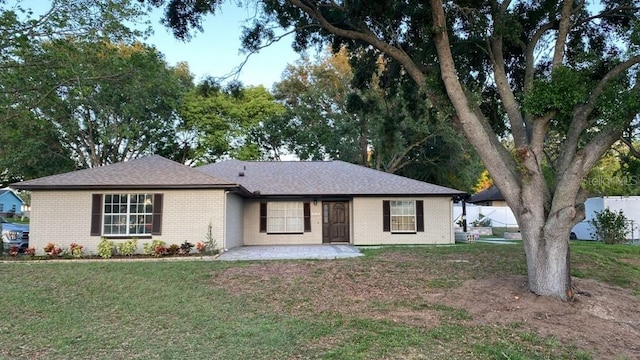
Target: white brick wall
[367,223]
[63,217]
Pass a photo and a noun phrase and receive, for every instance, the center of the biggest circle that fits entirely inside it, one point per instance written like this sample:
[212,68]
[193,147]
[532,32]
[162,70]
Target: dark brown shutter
[156,225]
[307,217]
[419,215]
[96,214]
[386,215]
[263,217]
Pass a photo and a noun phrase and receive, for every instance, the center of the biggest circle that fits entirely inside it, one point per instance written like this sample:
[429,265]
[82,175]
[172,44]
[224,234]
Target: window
[403,216]
[1,207]
[278,217]
[285,217]
[126,214]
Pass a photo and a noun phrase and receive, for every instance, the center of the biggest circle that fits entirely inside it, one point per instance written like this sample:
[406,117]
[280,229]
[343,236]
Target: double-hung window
[282,217]
[132,214]
[285,217]
[403,216]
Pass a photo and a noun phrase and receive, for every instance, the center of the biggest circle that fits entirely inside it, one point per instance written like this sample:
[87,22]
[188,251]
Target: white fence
[501,216]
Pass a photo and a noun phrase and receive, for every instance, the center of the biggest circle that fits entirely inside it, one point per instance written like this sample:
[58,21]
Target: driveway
[290,252]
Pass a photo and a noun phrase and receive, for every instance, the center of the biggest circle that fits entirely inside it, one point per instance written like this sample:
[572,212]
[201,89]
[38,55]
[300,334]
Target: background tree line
[80,89]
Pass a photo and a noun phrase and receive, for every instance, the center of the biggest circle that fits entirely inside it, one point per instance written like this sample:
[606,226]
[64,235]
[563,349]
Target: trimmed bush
[128,248]
[105,248]
[609,226]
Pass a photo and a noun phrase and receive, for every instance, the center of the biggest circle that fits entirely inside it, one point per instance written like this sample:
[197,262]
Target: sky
[216,51]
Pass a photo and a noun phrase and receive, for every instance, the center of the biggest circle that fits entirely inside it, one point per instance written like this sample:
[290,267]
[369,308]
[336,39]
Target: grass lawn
[381,306]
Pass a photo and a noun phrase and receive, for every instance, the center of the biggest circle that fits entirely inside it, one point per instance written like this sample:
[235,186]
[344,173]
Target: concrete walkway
[290,252]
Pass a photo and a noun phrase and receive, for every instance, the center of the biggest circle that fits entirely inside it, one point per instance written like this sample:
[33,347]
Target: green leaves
[229,121]
[609,226]
[100,102]
[561,92]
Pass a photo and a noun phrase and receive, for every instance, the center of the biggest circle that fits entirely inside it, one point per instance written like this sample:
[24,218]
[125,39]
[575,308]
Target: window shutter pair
[96,215]
[386,215]
[306,212]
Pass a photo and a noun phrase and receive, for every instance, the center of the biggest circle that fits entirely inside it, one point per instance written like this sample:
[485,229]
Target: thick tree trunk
[546,243]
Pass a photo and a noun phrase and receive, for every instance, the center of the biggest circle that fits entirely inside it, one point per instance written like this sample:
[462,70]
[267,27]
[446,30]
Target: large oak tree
[562,76]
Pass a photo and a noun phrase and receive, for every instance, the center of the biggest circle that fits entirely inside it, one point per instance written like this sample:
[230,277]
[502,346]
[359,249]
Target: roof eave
[129,186]
[259,194]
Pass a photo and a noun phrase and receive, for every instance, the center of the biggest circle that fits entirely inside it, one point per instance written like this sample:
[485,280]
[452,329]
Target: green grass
[614,264]
[279,310]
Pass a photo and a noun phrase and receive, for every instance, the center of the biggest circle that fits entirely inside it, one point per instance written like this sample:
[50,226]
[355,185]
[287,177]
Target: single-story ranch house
[243,202]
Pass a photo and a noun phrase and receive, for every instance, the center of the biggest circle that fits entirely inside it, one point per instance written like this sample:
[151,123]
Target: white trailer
[630,206]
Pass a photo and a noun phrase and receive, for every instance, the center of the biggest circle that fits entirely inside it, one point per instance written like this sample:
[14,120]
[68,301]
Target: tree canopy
[386,128]
[79,91]
[230,121]
[561,77]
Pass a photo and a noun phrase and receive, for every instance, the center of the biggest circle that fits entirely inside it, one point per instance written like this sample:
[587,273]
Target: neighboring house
[10,203]
[488,197]
[244,203]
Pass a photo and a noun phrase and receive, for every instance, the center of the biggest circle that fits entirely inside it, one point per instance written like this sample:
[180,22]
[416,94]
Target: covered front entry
[335,222]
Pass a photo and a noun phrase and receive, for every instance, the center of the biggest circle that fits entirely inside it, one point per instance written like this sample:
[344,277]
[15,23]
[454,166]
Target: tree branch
[511,105]
[368,37]
[632,149]
[470,118]
[563,31]
[236,71]
[583,111]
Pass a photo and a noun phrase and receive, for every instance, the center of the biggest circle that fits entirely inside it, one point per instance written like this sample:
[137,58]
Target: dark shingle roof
[490,194]
[150,172]
[300,178]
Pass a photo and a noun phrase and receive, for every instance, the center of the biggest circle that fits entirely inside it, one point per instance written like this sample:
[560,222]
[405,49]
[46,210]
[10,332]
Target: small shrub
[201,247]
[52,250]
[155,248]
[609,226]
[210,240]
[160,250]
[173,249]
[128,248]
[185,248]
[14,251]
[31,251]
[105,248]
[76,250]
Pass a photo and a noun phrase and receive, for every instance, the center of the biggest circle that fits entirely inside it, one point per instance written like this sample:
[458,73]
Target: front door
[335,221]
